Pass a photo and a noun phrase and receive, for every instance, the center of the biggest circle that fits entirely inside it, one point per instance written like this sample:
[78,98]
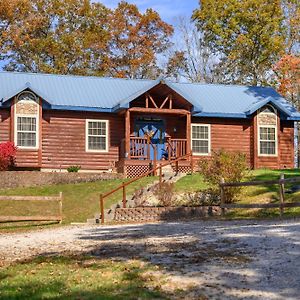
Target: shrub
[165,193]
[231,166]
[206,197]
[7,155]
[73,169]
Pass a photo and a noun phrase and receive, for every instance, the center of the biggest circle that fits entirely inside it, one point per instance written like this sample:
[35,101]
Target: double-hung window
[267,140]
[267,131]
[97,135]
[26,132]
[200,139]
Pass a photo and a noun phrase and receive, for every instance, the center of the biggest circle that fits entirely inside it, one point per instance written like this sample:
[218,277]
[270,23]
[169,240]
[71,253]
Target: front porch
[155,130]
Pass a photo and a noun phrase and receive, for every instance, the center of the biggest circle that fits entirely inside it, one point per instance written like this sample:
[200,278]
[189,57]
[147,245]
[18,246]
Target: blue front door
[153,129]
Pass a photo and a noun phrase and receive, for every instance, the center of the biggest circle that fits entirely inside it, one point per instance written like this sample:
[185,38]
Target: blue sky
[168,9]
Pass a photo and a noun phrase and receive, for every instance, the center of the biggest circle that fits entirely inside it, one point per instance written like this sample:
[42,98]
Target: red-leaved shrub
[7,155]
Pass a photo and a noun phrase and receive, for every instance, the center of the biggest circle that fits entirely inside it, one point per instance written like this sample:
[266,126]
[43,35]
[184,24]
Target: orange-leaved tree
[136,41]
[287,71]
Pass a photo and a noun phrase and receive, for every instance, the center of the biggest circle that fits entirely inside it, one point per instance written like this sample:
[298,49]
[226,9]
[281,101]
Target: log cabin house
[104,124]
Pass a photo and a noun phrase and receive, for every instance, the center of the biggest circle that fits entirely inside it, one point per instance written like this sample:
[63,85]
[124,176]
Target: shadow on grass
[23,226]
[78,277]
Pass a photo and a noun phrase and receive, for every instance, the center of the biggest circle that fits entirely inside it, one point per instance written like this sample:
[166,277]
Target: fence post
[222,197]
[177,166]
[60,206]
[102,209]
[281,192]
[124,195]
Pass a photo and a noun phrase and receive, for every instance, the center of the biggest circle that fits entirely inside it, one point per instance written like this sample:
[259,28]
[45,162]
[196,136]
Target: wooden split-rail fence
[57,218]
[280,182]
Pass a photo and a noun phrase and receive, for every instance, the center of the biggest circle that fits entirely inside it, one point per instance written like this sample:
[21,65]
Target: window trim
[87,136]
[209,139]
[259,140]
[36,131]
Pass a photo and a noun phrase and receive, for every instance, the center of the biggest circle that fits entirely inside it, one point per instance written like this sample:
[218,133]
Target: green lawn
[253,194]
[80,201]
[81,277]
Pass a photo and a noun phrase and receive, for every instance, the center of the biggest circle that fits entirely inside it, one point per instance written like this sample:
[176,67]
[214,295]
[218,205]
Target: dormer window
[267,131]
[26,121]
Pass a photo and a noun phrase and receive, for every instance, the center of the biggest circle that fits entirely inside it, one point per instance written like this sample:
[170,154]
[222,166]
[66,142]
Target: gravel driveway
[222,260]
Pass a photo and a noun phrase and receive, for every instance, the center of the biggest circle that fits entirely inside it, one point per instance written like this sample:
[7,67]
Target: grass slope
[253,194]
[80,201]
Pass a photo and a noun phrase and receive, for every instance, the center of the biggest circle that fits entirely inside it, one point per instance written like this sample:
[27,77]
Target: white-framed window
[26,131]
[267,131]
[26,127]
[201,139]
[96,136]
[267,140]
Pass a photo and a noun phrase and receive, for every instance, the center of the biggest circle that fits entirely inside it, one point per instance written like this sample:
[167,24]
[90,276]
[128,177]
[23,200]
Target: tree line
[249,42]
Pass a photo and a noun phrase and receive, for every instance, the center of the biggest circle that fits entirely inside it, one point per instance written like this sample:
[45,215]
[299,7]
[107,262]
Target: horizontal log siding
[4,125]
[228,134]
[285,158]
[63,141]
[287,144]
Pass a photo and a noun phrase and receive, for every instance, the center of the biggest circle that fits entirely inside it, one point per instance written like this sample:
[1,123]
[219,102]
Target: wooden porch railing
[140,148]
[151,172]
[176,147]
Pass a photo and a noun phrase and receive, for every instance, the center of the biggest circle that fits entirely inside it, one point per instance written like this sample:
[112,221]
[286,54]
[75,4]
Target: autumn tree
[287,72]
[247,35]
[54,36]
[136,41]
[81,37]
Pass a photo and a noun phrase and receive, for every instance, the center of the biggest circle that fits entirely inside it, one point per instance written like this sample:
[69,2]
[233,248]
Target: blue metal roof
[74,91]
[67,92]
[232,100]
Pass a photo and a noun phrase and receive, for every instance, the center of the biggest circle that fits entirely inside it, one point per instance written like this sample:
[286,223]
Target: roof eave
[78,108]
[221,115]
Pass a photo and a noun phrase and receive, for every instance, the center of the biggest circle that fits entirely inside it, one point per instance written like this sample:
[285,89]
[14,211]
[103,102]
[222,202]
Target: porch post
[188,132]
[127,134]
